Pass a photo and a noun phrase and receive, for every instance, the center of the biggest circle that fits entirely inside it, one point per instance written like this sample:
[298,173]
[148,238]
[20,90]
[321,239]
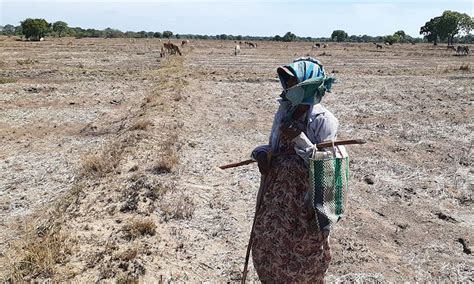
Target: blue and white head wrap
[312,81]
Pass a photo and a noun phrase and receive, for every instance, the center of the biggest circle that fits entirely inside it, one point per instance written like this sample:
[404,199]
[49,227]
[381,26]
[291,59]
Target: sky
[238,17]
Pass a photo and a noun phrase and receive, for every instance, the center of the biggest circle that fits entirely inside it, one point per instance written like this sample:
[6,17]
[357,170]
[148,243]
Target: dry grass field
[109,159]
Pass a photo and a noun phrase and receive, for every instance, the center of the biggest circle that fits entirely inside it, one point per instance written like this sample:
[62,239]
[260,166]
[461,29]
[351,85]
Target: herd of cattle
[173,49]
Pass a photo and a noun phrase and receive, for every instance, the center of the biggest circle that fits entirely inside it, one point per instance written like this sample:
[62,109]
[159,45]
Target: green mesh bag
[329,183]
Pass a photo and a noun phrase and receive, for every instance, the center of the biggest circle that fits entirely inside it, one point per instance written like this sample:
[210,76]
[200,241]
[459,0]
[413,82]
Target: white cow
[236,50]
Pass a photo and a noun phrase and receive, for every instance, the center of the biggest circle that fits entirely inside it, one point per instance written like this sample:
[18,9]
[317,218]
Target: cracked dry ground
[163,211]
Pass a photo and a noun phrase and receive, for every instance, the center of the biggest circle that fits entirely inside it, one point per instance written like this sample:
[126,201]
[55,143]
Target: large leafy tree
[400,35]
[447,26]
[452,23]
[8,30]
[167,34]
[60,28]
[339,35]
[35,29]
[289,36]
[431,30]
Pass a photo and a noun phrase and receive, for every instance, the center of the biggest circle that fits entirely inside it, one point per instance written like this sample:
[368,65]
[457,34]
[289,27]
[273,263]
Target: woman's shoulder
[320,112]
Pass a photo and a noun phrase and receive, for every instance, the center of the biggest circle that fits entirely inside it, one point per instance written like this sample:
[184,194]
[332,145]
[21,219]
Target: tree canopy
[60,28]
[447,26]
[167,34]
[35,29]
[289,36]
[9,29]
[339,35]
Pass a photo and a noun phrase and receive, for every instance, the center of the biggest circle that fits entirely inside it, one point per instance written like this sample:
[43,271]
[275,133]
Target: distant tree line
[445,28]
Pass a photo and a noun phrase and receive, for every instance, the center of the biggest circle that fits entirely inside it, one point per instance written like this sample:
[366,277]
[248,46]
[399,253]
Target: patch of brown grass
[168,160]
[104,162]
[170,79]
[162,189]
[5,80]
[127,255]
[139,228]
[43,245]
[183,208]
[465,67]
[141,125]
[38,256]
[28,61]
[126,279]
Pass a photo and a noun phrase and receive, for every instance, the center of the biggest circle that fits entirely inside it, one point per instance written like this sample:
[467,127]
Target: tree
[447,26]
[277,38]
[35,29]
[19,31]
[112,33]
[339,35]
[60,28]
[157,35]
[451,23]
[401,36]
[289,36]
[391,39]
[430,30]
[8,30]
[367,38]
[167,34]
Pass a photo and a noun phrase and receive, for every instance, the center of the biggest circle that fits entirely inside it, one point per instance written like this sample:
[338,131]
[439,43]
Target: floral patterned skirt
[287,247]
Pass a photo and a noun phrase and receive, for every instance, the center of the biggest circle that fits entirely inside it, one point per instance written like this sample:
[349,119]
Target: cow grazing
[171,48]
[176,49]
[316,46]
[237,50]
[184,42]
[379,46]
[462,50]
[168,48]
[325,45]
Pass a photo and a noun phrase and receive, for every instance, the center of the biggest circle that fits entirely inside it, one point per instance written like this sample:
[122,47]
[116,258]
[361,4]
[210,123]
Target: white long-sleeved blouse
[321,126]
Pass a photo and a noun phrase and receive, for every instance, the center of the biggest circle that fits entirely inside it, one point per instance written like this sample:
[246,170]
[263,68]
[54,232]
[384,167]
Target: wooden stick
[238,164]
[320,145]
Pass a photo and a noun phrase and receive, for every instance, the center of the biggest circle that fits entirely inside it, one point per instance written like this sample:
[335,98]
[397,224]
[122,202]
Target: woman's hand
[290,130]
[263,163]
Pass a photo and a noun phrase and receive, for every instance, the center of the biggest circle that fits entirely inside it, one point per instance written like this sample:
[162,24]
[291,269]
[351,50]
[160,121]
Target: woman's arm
[322,126]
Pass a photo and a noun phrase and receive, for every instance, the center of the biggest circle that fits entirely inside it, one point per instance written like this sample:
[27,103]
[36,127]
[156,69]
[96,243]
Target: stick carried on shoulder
[320,145]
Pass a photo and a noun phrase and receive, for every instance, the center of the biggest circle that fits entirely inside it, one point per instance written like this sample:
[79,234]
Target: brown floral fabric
[287,247]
